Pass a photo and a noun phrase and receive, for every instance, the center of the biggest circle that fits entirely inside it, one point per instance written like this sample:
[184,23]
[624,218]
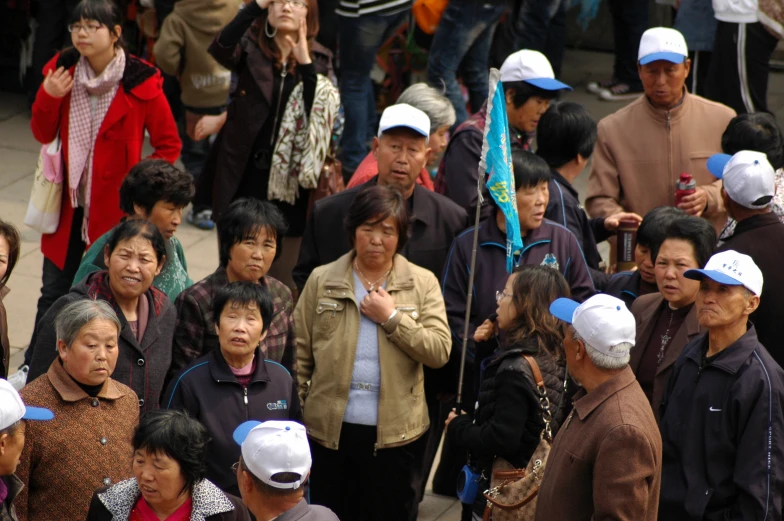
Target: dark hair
[654,225]
[529,169]
[563,132]
[270,48]
[280,477]
[153,180]
[138,228]
[696,231]
[378,202]
[11,429]
[179,437]
[759,132]
[105,12]
[535,288]
[523,91]
[11,234]
[243,220]
[244,293]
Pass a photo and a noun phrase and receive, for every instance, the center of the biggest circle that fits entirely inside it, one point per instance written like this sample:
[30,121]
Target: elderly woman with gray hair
[442,116]
[88,444]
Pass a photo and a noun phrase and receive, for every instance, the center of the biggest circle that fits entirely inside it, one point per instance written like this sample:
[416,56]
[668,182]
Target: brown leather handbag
[513,492]
[330,181]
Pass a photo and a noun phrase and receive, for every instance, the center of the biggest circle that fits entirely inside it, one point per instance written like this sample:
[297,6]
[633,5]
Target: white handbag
[46,197]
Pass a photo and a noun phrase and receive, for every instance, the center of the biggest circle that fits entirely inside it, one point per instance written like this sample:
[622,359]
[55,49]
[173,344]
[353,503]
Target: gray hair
[602,360]
[432,102]
[73,317]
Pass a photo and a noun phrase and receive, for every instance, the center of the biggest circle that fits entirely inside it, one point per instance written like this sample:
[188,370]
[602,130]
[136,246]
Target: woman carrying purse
[508,422]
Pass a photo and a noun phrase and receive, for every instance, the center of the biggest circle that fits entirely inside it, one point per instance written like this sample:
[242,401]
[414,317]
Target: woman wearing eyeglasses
[99,100]
[284,107]
[509,417]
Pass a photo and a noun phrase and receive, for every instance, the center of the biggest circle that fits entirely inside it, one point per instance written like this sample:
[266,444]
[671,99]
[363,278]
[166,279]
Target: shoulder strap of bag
[544,401]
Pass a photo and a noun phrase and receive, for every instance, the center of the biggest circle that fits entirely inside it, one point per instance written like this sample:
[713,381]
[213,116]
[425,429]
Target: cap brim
[716,276]
[564,308]
[241,432]
[672,57]
[548,84]
[410,127]
[716,164]
[38,414]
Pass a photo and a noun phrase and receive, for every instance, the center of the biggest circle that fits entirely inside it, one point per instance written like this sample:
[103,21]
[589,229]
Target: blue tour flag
[497,163]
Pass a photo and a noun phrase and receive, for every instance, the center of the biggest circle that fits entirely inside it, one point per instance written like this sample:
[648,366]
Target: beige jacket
[181,50]
[641,151]
[327,319]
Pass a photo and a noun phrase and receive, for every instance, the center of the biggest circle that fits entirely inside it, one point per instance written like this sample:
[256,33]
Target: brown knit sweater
[85,447]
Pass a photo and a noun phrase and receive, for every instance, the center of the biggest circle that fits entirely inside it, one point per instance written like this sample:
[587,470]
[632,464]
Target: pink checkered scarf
[83,126]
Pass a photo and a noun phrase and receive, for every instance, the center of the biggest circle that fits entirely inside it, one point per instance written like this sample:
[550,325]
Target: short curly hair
[179,437]
[154,180]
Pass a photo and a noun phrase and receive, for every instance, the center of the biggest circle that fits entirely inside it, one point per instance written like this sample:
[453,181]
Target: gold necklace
[372,284]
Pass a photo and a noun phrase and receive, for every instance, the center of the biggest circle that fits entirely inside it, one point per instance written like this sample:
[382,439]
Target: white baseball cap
[662,43]
[404,115]
[748,177]
[531,67]
[272,447]
[732,269]
[12,408]
[603,321]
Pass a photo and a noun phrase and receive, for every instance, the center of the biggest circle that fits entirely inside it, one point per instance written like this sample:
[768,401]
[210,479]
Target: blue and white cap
[531,67]
[13,409]
[731,268]
[662,43]
[603,321]
[747,177]
[273,447]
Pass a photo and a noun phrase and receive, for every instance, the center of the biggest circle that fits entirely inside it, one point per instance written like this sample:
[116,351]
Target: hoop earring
[266,29]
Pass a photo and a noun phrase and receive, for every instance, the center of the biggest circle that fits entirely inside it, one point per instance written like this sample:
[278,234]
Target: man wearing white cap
[643,148]
[529,85]
[12,438]
[721,415]
[401,150]
[605,462]
[273,469]
[748,189]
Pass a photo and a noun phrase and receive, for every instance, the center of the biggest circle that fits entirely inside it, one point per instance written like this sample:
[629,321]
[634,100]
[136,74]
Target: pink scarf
[83,126]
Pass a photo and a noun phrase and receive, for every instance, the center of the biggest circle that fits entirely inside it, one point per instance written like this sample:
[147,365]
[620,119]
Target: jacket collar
[491,235]
[674,113]
[754,222]
[221,372]
[732,358]
[422,210]
[340,274]
[564,183]
[70,391]
[14,485]
[298,512]
[688,330]
[208,500]
[4,290]
[585,403]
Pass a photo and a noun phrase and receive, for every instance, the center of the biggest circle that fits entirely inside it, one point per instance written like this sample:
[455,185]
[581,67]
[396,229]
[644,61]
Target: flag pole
[469,292]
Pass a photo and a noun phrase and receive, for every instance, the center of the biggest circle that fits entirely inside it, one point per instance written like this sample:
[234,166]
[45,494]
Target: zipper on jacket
[245,392]
[671,180]
[375,450]
[277,110]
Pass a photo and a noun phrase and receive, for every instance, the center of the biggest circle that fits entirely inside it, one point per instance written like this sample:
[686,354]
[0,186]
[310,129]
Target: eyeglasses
[89,28]
[501,294]
[235,467]
[294,4]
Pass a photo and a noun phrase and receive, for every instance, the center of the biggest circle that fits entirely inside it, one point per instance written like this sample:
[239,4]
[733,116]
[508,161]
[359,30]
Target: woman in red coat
[100,100]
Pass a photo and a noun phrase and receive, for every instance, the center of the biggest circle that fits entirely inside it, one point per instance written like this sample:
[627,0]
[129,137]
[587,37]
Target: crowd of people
[314,373]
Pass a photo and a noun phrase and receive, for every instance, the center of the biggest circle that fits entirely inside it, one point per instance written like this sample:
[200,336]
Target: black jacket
[762,238]
[564,208]
[625,286]
[209,392]
[722,428]
[435,222]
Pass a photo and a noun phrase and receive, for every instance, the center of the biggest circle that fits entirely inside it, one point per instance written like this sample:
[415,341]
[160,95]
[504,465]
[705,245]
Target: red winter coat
[138,105]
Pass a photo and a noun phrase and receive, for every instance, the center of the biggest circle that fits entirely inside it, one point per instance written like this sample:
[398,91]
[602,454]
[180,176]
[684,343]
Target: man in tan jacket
[643,148]
[606,460]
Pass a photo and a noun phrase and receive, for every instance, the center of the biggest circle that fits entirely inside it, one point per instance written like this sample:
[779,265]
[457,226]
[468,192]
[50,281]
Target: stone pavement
[19,153]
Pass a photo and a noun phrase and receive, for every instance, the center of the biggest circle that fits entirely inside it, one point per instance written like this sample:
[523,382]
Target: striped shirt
[357,8]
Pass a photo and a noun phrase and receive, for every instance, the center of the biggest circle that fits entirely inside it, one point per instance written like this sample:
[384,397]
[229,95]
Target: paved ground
[19,152]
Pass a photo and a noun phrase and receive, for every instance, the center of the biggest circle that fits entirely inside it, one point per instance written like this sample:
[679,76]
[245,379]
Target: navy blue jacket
[208,390]
[722,428]
[551,244]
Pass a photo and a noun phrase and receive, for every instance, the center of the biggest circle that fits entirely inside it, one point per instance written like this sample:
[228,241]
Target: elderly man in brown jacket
[643,148]
[606,460]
